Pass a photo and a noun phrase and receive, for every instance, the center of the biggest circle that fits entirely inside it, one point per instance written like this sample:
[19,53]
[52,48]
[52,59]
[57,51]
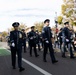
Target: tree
[69,11]
[63,8]
[22,26]
[60,18]
[4,34]
[39,26]
[67,8]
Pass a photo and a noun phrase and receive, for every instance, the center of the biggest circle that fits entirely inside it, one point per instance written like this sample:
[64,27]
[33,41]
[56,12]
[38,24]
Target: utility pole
[56,22]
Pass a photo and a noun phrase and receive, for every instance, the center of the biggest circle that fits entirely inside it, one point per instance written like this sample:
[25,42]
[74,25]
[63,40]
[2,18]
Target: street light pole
[56,22]
[56,26]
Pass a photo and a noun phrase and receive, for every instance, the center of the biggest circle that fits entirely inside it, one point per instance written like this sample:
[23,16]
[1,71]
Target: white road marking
[34,66]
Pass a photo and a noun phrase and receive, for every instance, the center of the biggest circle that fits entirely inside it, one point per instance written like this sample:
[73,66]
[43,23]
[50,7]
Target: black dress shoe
[72,57]
[44,60]
[14,67]
[36,55]
[30,55]
[63,56]
[25,51]
[39,49]
[55,61]
[21,69]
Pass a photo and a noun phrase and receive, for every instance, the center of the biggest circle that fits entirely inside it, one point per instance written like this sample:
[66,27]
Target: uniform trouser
[31,48]
[60,44]
[73,46]
[24,45]
[38,44]
[56,44]
[46,46]
[69,48]
[13,56]
[42,44]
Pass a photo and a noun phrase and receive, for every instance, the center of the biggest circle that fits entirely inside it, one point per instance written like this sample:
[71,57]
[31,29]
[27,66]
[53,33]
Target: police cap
[61,29]
[66,23]
[32,27]
[15,24]
[47,20]
[23,29]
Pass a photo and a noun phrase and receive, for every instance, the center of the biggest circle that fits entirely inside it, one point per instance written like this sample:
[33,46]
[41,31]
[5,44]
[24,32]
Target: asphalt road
[65,66]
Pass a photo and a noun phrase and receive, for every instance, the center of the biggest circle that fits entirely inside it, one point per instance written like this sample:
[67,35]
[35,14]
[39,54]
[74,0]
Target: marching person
[60,37]
[75,34]
[16,46]
[75,43]
[24,40]
[72,34]
[32,41]
[66,40]
[47,36]
[38,40]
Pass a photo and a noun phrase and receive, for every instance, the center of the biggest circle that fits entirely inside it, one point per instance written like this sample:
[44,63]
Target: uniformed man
[38,40]
[60,38]
[66,40]
[75,34]
[16,46]
[41,40]
[72,38]
[47,36]
[24,40]
[75,43]
[32,41]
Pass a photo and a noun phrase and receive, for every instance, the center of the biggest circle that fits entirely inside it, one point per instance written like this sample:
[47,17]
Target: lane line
[34,66]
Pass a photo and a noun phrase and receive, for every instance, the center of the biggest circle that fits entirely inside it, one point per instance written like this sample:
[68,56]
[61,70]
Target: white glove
[13,45]
[67,40]
[31,38]
[58,38]
[47,41]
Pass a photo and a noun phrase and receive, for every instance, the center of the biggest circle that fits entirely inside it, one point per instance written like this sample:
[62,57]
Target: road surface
[36,66]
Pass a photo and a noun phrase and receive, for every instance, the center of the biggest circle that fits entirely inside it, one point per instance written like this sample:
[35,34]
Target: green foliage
[63,9]
[4,34]
[60,18]
[67,10]
[22,26]
[74,23]
[69,13]
[39,26]
[68,5]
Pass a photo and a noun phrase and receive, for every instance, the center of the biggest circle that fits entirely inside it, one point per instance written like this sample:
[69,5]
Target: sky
[28,12]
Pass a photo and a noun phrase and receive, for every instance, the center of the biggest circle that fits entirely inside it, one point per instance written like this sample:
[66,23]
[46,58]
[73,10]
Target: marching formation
[66,41]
